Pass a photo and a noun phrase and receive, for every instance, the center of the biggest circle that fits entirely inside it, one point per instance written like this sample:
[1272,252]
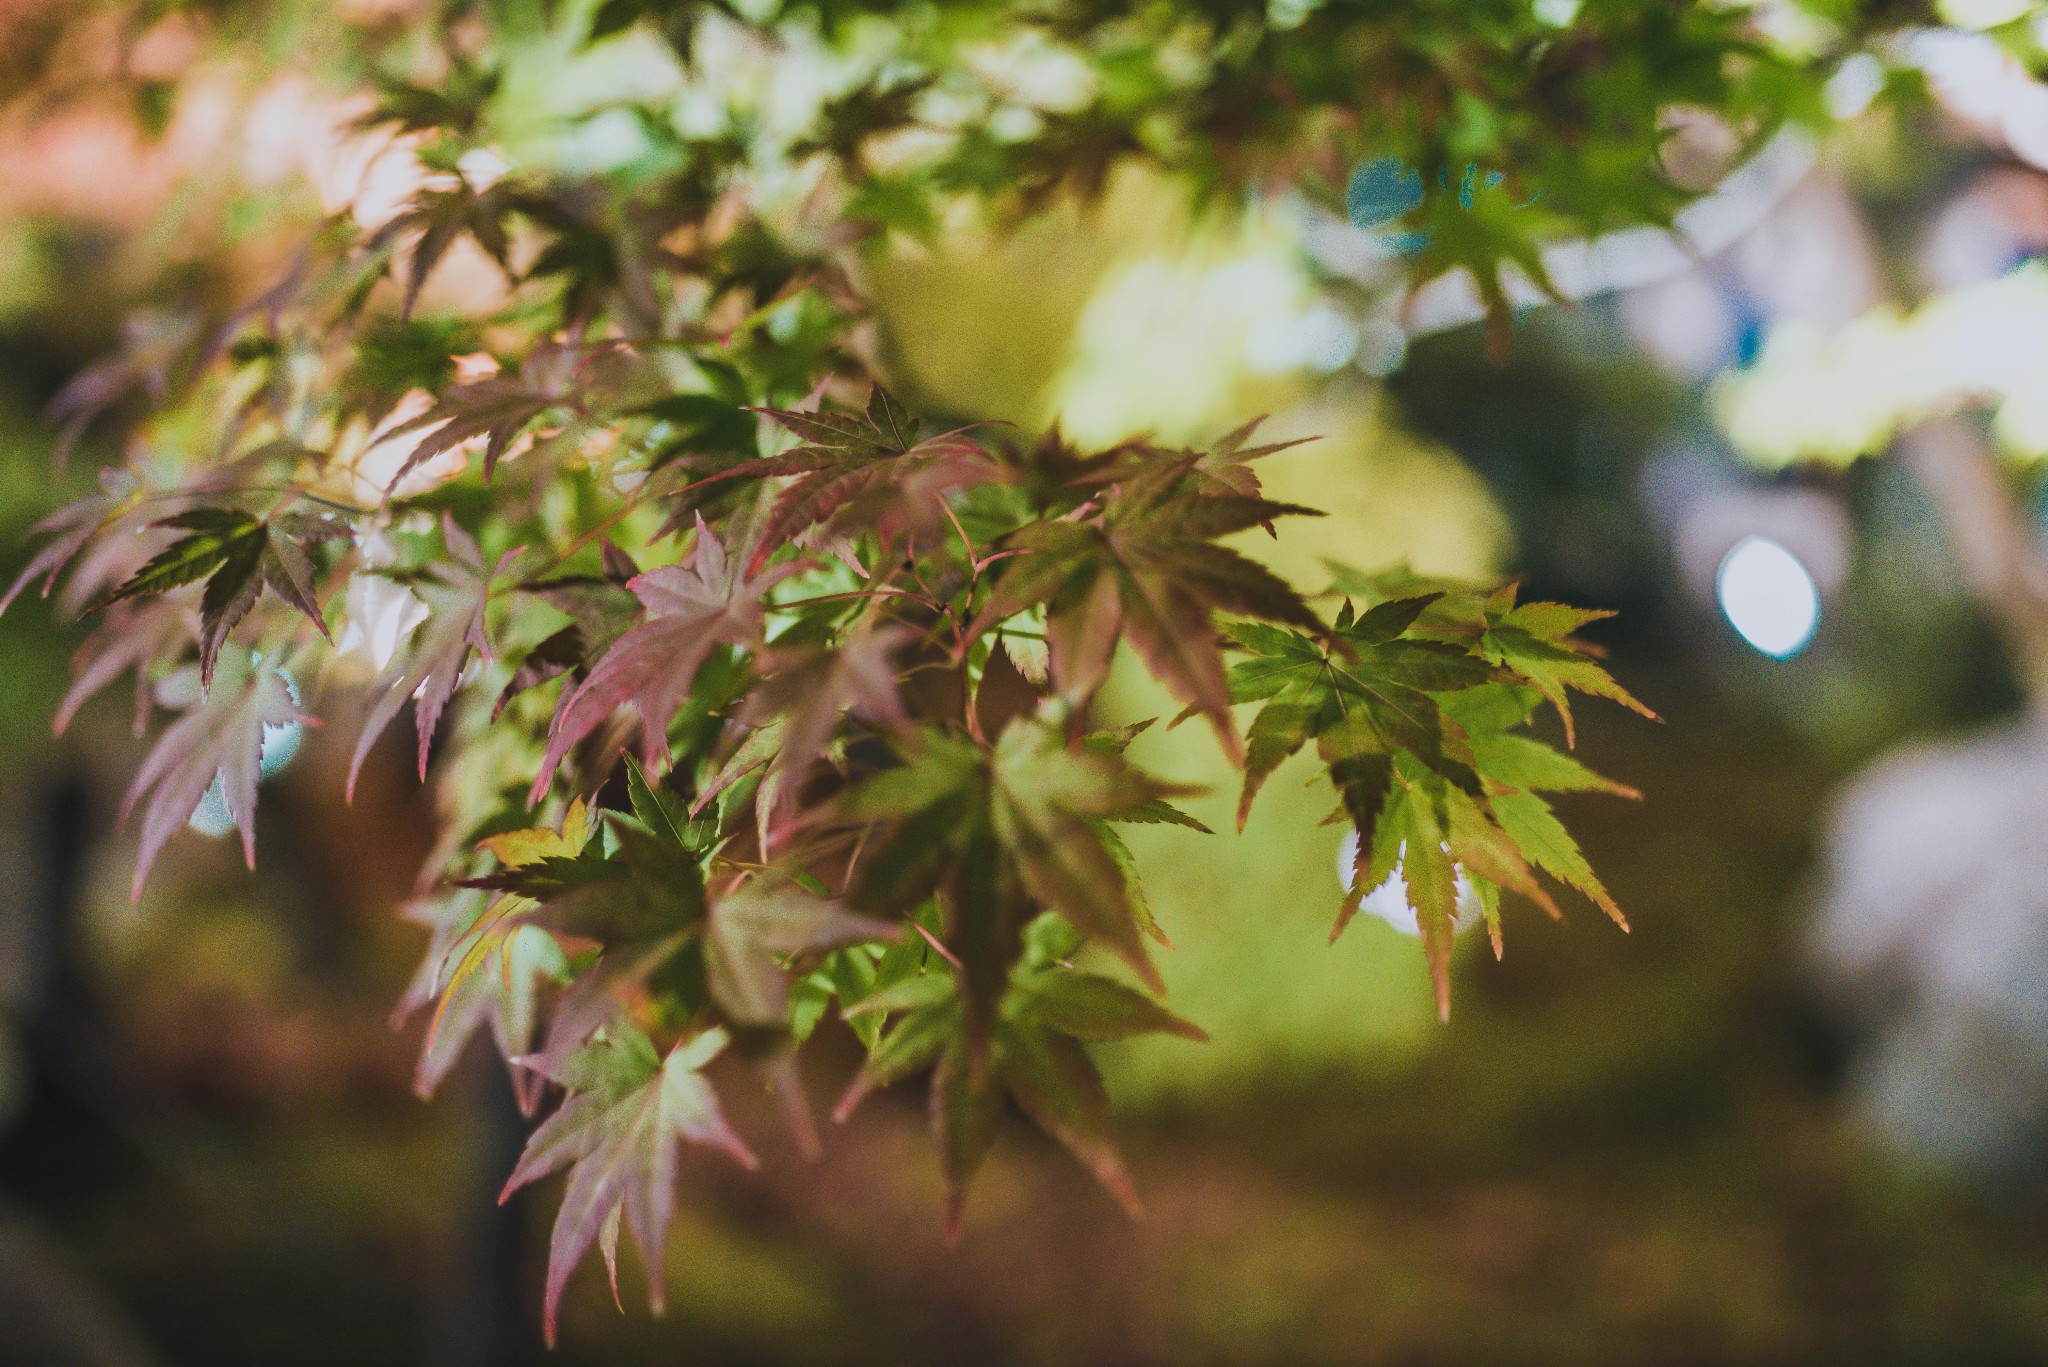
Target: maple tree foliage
[779,698]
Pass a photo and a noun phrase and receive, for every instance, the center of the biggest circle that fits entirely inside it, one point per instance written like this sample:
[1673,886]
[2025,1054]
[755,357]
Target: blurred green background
[1654,1148]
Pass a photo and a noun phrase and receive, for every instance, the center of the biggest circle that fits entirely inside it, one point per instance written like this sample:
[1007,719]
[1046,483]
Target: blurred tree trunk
[51,1317]
[1995,548]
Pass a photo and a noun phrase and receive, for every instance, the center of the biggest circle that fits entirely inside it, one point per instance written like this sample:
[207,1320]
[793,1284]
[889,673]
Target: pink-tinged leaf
[456,592]
[618,1133]
[134,636]
[752,753]
[589,1005]
[608,1245]
[490,412]
[153,343]
[692,608]
[1224,469]
[593,1007]
[486,965]
[866,472]
[1137,563]
[1080,645]
[808,694]
[1171,633]
[71,528]
[222,735]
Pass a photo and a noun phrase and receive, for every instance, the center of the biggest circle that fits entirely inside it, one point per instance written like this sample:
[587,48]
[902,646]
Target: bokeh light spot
[1769,597]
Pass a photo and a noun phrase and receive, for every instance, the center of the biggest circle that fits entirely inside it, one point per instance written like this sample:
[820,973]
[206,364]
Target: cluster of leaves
[799,683]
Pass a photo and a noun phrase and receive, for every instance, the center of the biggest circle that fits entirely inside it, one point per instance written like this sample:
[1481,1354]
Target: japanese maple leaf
[643,891]
[70,528]
[1409,833]
[456,592]
[601,609]
[618,1132]
[1517,770]
[1534,641]
[853,468]
[1144,567]
[1436,835]
[503,961]
[153,344]
[1367,684]
[1047,797]
[221,736]
[994,831]
[806,695]
[1412,717]
[751,929]
[238,555]
[495,409]
[133,636]
[692,608]
[1048,1009]
[486,961]
[439,217]
[1225,468]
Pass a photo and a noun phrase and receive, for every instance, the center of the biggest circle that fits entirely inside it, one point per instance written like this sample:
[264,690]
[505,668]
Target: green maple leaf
[1153,812]
[997,830]
[1533,641]
[238,555]
[1364,692]
[1412,713]
[752,929]
[1488,715]
[1429,829]
[1048,1009]
[1045,798]
[1435,835]
[1517,769]
[640,893]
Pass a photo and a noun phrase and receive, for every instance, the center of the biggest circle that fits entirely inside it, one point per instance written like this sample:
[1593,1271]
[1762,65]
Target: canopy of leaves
[858,669]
